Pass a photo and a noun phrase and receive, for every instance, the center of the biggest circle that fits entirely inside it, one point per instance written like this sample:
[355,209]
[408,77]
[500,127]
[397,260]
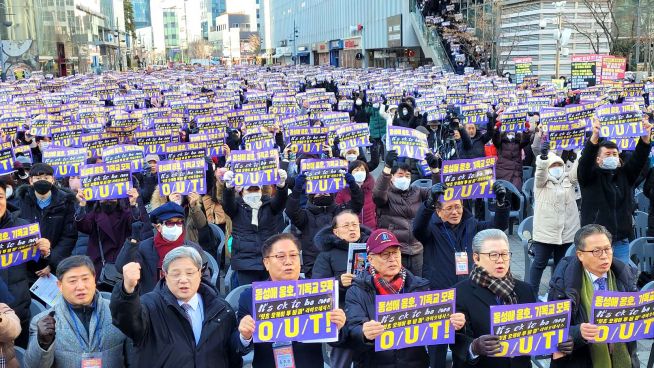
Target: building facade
[142,15]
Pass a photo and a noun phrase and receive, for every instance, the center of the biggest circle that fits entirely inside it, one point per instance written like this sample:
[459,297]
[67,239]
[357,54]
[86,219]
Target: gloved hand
[544,150]
[300,180]
[349,179]
[228,178]
[500,194]
[486,345]
[572,156]
[282,178]
[436,191]
[391,157]
[432,161]
[45,330]
[566,346]
[136,230]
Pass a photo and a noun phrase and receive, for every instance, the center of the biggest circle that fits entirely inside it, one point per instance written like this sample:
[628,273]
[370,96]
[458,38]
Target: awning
[302,54]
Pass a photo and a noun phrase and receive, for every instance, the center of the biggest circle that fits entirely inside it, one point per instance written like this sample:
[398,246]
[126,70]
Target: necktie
[187,315]
[601,283]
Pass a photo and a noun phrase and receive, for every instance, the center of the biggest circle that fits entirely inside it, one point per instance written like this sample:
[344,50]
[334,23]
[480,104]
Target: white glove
[282,178]
[228,178]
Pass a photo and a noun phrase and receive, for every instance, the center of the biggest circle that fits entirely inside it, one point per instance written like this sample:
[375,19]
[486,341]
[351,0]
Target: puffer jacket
[509,156]
[9,330]
[396,210]
[556,217]
[377,123]
[360,308]
[648,191]
[407,120]
[368,215]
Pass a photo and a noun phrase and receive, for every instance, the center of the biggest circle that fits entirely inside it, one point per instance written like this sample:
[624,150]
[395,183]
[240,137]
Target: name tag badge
[461,261]
[283,352]
[92,360]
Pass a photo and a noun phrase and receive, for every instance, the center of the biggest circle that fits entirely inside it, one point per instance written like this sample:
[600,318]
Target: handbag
[109,276]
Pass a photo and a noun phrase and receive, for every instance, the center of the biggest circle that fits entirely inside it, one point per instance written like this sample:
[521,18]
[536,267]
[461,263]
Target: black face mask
[108,207]
[323,201]
[42,186]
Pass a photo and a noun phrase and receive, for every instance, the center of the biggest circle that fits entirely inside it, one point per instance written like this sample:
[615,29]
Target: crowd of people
[151,250]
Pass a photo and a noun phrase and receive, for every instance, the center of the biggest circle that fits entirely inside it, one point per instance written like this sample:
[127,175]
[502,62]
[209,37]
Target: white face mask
[510,136]
[9,191]
[402,183]
[405,111]
[359,176]
[556,171]
[359,102]
[44,145]
[178,201]
[252,199]
[350,157]
[375,105]
[171,233]
[610,163]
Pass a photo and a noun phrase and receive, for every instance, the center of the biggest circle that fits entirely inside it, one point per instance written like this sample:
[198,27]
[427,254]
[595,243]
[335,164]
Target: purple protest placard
[124,153]
[19,245]
[186,151]
[68,136]
[182,177]
[307,140]
[294,310]
[353,136]
[620,121]
[106,181]
[258,138]
[467,179]
[6,158]
[154,141]
[530,329]
[64,161]
[474,114]
[415,319]
[562,133]
[254,168]
[95,142]
[324,175]
[623,317]
[407,142]
[513,121]
[214,140]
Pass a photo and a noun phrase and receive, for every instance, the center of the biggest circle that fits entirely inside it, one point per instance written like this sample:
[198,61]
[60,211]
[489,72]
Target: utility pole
[638,40]
[120,55]
[186,31]
[295,36]
[558,40]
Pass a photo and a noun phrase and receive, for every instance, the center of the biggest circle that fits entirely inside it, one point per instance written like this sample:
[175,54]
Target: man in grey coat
[77,331]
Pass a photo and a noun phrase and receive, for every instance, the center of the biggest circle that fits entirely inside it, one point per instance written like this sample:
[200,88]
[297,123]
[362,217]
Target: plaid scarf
[502,288]
[386,288]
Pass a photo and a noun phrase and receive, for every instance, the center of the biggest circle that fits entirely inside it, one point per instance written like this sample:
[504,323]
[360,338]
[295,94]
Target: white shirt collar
[194,302]
[593,277]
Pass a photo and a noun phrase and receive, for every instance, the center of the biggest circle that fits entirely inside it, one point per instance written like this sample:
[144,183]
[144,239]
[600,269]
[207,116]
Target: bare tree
[199,49]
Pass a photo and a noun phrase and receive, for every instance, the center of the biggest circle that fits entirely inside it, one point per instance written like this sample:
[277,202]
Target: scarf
[603,355]
[502,288]
[255,212]
[163,246]
[387,288]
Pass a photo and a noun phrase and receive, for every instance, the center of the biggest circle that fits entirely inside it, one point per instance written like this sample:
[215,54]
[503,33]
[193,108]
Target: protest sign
[154,141]
[213,139]
[65,161]
[186,151]
[562,133]
[259,120]
[513,121]
[307,140]
[530,329]
[581,113]
[24,151]
[124,153]
[182,177]
[166,123]
[474,114]
[258,138]
[467,179]
[211,122]
[620,121]
[334,119]
[67,136]
[613,68]
[106,181]
[522,68]
[623,317]
[6,158]
[254,168]
[357,258]
[345,105]
[583,71]
[415,319]
[294,310]
[324,175]
[353,136]
[18,245]
[407,142]
[235,118]
[95,142]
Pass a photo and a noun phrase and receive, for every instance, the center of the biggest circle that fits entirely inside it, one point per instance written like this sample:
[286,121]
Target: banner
[65,161]
[353,136]
[6,158]
[562,133]
[415,319]
[307,140]
[583,71]
[522,68]
[613,68]
[513,122]
[620,121]
[468,179]
[186,151]
[299,310]
[474,114]
[18,245]
[357,259]
[182,177]
[124,153]
[254,168]
[407,142]
[623,317]
[324,175]
[530,329]
[106,181]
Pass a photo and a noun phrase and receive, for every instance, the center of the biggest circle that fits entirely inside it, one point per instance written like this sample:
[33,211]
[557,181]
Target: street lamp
[562,35]
[120,56]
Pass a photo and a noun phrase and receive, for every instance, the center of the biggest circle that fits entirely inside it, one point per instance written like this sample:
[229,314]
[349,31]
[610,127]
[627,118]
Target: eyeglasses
[457,208]
[294,257]
[494,256]
[171,223]
[388,255]
[179,275]
[598,252]
[354,225]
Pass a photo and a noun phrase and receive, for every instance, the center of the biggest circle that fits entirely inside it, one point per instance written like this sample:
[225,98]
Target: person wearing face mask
[377,127]
[607,186]
[556,217]
[509,154]
[22,166]
[320,210]
[255,217]
[361,113]
[53,208]
[168,221]
[363,178]
[479,138]
[405,116]
[38,146]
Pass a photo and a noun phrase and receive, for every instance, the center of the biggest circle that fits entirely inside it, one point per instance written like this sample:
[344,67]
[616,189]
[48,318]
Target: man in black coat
[54,209]
[320,210]
[576,278]
[607,186]
[478,138]
[182,322]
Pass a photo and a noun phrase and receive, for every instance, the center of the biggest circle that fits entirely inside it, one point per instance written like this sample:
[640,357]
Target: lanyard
[449,238]
[98,329]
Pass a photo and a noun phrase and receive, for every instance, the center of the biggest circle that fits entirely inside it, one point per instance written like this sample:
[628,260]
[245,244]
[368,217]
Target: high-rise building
[142,17]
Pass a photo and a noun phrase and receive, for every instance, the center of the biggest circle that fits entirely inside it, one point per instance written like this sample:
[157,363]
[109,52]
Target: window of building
[61,15]
[47,17]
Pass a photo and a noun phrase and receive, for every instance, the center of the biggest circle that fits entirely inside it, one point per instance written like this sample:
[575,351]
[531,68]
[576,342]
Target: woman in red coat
[368,215]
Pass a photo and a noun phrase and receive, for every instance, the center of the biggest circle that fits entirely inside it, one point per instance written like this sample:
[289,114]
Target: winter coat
[556,217]
[311,219]
[509,160]
[57,221]
[569,157]
[360,308]
[479,141]
[163,337]
[368,215]
[475,302]
[66,350]
[608,195]
[361,114]
[441,240]
[9,331]
[247,238]
[377,122]
[332,260]
[396,210]
[566,283]
[648,191]
[407,120]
